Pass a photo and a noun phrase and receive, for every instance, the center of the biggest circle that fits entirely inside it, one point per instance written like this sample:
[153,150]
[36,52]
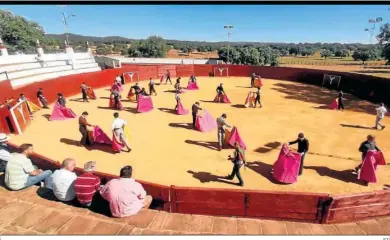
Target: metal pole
[228,47]
[66,27]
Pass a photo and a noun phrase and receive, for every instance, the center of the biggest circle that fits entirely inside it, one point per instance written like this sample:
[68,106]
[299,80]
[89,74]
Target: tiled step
[26,213]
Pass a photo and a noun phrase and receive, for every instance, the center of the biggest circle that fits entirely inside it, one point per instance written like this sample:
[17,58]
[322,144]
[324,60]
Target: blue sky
[260,23]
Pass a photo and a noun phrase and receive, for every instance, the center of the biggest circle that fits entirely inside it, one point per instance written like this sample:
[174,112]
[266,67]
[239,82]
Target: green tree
[294,50]
[152,47]
[234,56]
[365,55]
[103,50]
[120,48]
[341,52]
[325,53]
[19,34]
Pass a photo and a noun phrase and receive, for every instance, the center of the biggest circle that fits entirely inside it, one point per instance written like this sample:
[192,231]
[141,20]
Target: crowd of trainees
[123,196]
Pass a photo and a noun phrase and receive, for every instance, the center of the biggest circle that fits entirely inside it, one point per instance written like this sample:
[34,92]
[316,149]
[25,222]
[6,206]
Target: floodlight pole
[228,35]
[374,21]
[64,18]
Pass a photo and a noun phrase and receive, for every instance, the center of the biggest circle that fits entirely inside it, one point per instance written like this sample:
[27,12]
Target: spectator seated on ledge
[20,173]
[63,181]
[87,184]
[125,196]
[4,151]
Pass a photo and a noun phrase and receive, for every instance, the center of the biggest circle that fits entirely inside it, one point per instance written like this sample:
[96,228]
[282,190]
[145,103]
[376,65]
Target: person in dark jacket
[340,100]
[83,124]
[84,89]
[238,160]
[303,148]
[253,79]
[42,98]
[61,100]
[366,146]
[195,109]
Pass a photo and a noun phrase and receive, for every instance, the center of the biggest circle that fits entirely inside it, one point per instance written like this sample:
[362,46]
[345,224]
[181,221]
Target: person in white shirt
[5,154]
[177,97]
[380,114]
[118,79]
[117,128]
[63,181]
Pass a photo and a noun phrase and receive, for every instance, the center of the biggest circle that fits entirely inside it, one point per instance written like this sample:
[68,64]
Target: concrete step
[18,82]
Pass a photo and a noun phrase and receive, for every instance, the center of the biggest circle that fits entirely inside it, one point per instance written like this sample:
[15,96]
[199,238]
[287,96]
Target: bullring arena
[181,168]
[166,150]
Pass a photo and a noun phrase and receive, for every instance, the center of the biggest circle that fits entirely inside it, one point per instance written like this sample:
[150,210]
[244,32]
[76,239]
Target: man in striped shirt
[87,184]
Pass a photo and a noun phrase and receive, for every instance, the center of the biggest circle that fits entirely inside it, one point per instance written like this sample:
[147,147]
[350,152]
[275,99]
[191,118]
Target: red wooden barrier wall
[207,201]
[358,206]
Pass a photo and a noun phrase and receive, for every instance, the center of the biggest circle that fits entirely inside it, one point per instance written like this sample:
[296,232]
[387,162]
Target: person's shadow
[168,110]
[181,125]
[205,177]
[264,170]
[209,145]
[344,175]
[356,126]
[96,146]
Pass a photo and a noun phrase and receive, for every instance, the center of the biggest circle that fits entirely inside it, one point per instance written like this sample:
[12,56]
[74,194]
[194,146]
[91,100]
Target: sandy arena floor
[167,153]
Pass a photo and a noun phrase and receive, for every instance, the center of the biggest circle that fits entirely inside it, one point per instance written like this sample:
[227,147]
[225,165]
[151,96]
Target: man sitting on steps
[126,196]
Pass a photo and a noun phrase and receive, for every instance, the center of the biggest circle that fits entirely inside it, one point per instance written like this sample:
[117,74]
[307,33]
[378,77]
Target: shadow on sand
[205,177]
[99,147]
[209,145]
[344,175]
[268,147]
[168,110]
[182,125]
[322,96]
[356,126]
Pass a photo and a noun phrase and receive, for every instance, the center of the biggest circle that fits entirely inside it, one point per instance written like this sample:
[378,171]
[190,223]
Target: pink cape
[205,123]
[180,109]
[334,105]
[192,86]
[286,168]
[114,87]
[61,113]
[144,104]
[100,137]
[235,137]
[162,78]
[370,163]
[112,104]
[116,145]
[224,99]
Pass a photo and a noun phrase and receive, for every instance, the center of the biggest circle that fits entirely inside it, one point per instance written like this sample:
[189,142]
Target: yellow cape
[34,108]
[127,132]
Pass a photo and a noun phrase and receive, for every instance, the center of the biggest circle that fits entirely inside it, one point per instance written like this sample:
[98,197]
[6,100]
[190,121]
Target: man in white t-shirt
[118,129]
[63,181]
[380,114]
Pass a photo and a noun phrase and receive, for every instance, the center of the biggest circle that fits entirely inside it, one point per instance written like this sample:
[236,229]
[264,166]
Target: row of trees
[19,34]
[263,55]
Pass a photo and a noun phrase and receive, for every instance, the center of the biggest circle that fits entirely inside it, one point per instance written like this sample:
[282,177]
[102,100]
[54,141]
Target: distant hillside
[90,39]
[110,39]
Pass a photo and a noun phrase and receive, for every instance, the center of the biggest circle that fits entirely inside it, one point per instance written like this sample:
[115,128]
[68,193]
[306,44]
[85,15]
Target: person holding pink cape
[221,122]
[368,145]
[303,148]
[119,138]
